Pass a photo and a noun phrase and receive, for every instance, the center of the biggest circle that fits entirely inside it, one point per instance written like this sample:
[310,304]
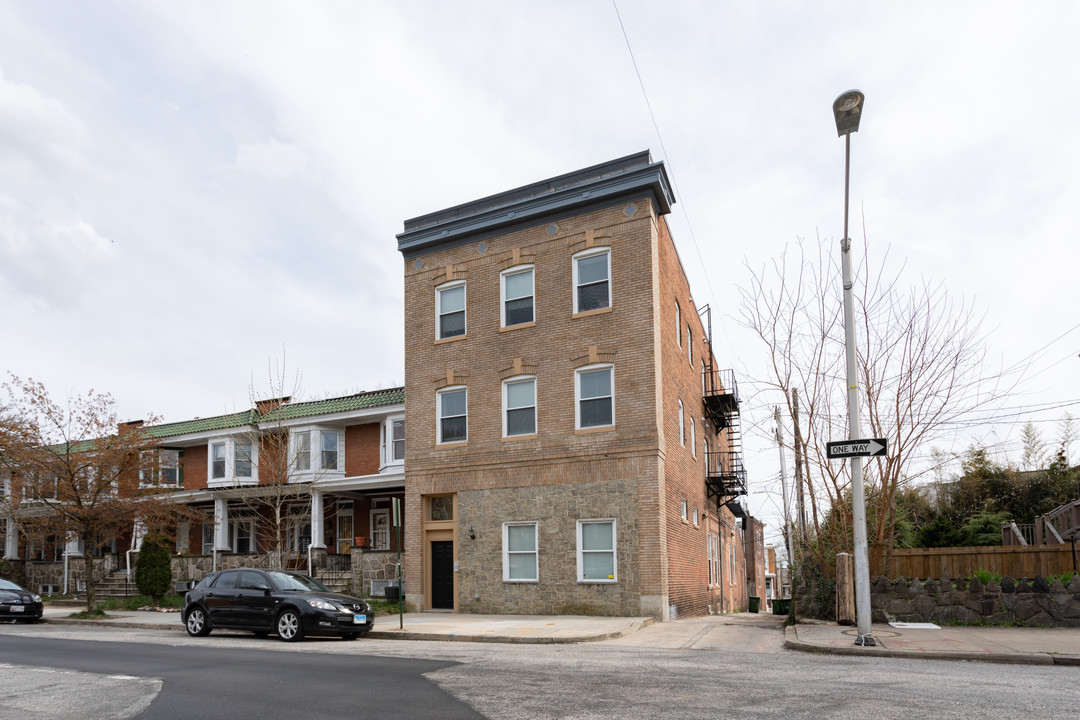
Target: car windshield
[288,581]
[8,585]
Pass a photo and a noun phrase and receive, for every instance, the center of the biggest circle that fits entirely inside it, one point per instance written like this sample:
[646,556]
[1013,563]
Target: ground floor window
[596,551]
[714,558]
[520,552]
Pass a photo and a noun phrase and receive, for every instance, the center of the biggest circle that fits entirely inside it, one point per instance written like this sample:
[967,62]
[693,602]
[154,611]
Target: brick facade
[635,471]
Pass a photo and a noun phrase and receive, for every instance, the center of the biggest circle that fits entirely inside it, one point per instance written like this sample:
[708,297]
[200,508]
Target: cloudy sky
[191,191]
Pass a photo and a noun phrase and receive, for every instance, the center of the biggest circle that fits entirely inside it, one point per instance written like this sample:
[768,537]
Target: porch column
[318,537]
[11,541]
[73,546]
[221,525]
[138,532]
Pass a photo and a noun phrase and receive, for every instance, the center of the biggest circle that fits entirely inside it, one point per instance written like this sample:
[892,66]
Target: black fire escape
[725,476]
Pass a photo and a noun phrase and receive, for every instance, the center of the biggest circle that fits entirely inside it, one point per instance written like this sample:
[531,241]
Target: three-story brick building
[572,447]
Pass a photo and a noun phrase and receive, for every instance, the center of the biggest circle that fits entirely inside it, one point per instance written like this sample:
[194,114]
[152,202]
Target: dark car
[18,603]
[272,601]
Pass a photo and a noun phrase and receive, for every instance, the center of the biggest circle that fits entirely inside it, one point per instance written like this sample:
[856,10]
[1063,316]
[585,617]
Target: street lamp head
[847,110]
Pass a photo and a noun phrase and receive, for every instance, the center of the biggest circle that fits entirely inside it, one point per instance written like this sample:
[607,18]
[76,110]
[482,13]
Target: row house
[573,444]
[301,485]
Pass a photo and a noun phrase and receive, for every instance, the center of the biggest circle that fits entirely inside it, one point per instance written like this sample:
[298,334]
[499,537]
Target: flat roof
[600,185]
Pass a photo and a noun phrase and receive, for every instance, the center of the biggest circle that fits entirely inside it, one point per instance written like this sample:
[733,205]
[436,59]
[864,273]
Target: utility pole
[801,507]
[783,484]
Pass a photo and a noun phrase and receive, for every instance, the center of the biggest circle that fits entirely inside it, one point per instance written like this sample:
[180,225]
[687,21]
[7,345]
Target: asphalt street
[702,668]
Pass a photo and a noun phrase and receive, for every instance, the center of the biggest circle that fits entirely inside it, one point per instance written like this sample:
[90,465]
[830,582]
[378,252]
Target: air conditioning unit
[378,588]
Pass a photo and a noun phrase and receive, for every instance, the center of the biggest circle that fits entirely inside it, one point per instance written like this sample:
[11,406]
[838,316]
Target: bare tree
[920,358]
[77,472]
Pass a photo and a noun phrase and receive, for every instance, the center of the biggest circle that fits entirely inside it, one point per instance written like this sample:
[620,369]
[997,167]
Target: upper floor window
[393,441]
[519,407]
[329,450]
[592,280]
[517,296]
[242,458]
[690,344]
[450,310]
[693,438]
[217,461]
[159,467]
[453,415]
[302,450]
[682,424]
[233,460]
[595,397]
[678,324]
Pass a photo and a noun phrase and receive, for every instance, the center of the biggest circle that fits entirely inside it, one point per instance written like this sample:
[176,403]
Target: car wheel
[197,624]
[289,626]
[349,636]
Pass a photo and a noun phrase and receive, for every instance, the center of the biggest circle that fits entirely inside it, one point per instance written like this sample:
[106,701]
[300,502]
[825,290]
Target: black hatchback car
[272,601]
[18,603]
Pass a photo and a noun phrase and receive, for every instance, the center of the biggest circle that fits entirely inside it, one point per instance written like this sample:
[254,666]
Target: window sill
[590,313]
[512,438]
[588,431]
[456,444]
[519,326]
[442,341]
[521,582]
[597,582]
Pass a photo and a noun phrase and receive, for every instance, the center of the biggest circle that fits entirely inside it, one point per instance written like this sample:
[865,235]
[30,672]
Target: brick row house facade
[301,485]
[573,447]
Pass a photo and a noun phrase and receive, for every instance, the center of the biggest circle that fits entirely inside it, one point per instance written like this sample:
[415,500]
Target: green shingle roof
[289,411]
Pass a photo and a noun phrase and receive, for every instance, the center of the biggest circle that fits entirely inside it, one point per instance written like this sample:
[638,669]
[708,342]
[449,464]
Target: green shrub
[153,574]
[985,576]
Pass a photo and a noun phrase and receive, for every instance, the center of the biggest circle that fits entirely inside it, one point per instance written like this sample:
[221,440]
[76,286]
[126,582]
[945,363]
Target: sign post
[401,595]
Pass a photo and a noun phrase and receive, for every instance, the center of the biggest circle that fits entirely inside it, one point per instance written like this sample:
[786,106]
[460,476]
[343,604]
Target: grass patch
[380,608]
[88,615]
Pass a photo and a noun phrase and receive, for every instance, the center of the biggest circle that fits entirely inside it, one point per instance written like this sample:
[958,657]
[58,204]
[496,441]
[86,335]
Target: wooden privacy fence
[1012,561]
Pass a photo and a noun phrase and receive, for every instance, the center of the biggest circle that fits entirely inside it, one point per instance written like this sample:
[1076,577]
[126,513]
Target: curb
[395,634]
[792,642]
[512,639]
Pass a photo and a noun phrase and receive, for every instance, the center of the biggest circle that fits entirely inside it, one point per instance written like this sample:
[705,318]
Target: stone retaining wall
[1036,603]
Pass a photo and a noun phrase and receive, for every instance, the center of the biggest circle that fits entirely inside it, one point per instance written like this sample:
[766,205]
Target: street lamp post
[847,111]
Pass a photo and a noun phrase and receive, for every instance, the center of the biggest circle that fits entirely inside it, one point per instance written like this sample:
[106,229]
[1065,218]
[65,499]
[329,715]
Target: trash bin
[781,607]
[755,603]
[393,593]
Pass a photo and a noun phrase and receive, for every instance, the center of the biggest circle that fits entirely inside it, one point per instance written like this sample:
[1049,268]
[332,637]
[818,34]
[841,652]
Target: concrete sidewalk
[1018,645]
[418,626]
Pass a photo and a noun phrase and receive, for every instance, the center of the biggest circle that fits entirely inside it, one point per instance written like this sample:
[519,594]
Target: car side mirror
[264,588]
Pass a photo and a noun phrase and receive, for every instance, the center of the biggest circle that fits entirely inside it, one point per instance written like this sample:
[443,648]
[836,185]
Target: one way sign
[872,447]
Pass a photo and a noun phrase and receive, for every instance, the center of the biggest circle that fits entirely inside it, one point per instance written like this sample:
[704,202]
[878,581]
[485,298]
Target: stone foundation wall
[946,601]
[556,509]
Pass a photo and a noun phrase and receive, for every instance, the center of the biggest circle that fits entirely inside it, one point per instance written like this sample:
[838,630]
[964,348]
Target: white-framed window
[519,406]
[452,405]
[682,425]
[329,455]
[520,562]
[208,536]
[595,396]
[316,452]
[684,510]
[592,280]
[707,468]
[242,462]
[678,324]
[713,545]
[517,287]
[450,310]
[702,378]
[242,535]
[693,438]
[233,460]
[596,558]
[731,564]
[217,461]
[393,441]
[695,516]
[380,529]
[690,344]
[302,450]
